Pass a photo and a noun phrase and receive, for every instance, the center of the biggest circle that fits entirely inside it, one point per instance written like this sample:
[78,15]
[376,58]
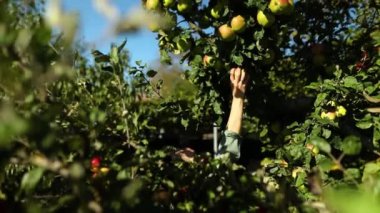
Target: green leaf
[321,143]
[151,73]
[364,124]
[100,57]
[370,169]
[185,122]
[30,180]
[238,59]
[121,46]
[320,97]
[351,145]
[351,82]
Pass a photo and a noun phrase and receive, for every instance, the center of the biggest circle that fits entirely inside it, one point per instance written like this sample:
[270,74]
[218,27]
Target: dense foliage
[78,134]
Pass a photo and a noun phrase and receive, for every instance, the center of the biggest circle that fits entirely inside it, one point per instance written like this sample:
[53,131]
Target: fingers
[232,75]
[242,77]
[237,75]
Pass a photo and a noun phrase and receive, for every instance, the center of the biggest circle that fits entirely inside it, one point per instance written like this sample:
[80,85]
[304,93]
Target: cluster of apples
[337,111]
[264,18]
[276,7]
[168,20]
[183,6]
[228,33]
[96,168]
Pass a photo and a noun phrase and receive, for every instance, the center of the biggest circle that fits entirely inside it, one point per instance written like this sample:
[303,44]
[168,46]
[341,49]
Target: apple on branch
[238,24]
[184,6]
[265,19]
[226,33]
[281,7]
[152,4]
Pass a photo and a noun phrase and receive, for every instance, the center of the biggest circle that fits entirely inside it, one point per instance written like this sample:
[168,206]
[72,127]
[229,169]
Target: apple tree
[80,133]
[312,113]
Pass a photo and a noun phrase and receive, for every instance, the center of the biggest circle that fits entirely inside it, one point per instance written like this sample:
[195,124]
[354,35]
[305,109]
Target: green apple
[340,111]
[281,7]
[217,11]
[168,3]
[154,26]
[152,4]
[265,19]
[226,33]
[238,24]
[184,6]
[183,45]
[328,115]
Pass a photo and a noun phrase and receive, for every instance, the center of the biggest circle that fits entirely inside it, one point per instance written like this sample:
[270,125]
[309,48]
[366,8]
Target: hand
[239,79]
[187,154]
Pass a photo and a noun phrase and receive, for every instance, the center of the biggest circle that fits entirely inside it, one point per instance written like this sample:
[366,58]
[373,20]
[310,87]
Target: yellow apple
[265,19]
[168,3]
[152,4]
[207,60]
[281,7]
[226,33]
[328,115]
[184,6]
[238,24]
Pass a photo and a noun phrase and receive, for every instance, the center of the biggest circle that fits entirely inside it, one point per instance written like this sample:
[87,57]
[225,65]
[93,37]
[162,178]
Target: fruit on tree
[328,115]
[340,111]
[183,45]
[184,6]
[238,24]
[226,33]
[95,161]
[104,170]
[207,60]
[281,7]
[154,26]
[265,19]
[152,4]
[217,11]
[168,3]
[312,148]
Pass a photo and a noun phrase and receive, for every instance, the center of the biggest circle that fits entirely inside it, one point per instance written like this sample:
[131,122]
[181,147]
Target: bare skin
[239,80]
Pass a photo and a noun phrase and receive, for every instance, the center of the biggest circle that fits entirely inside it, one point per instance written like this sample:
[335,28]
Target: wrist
[238,99]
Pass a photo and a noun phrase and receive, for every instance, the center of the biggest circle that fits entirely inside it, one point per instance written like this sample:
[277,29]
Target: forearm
[236,115]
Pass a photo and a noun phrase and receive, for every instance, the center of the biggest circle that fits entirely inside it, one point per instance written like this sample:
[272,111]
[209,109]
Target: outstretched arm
[239,80]
[230,142]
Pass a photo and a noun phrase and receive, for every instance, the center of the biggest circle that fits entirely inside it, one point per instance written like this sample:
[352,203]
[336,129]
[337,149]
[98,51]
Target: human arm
[230,141]
[239,80]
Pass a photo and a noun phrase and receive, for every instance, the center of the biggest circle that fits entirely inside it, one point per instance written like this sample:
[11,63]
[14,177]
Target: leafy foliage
[81,136]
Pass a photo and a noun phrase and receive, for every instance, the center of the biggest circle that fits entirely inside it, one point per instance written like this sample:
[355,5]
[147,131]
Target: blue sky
[93,29]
